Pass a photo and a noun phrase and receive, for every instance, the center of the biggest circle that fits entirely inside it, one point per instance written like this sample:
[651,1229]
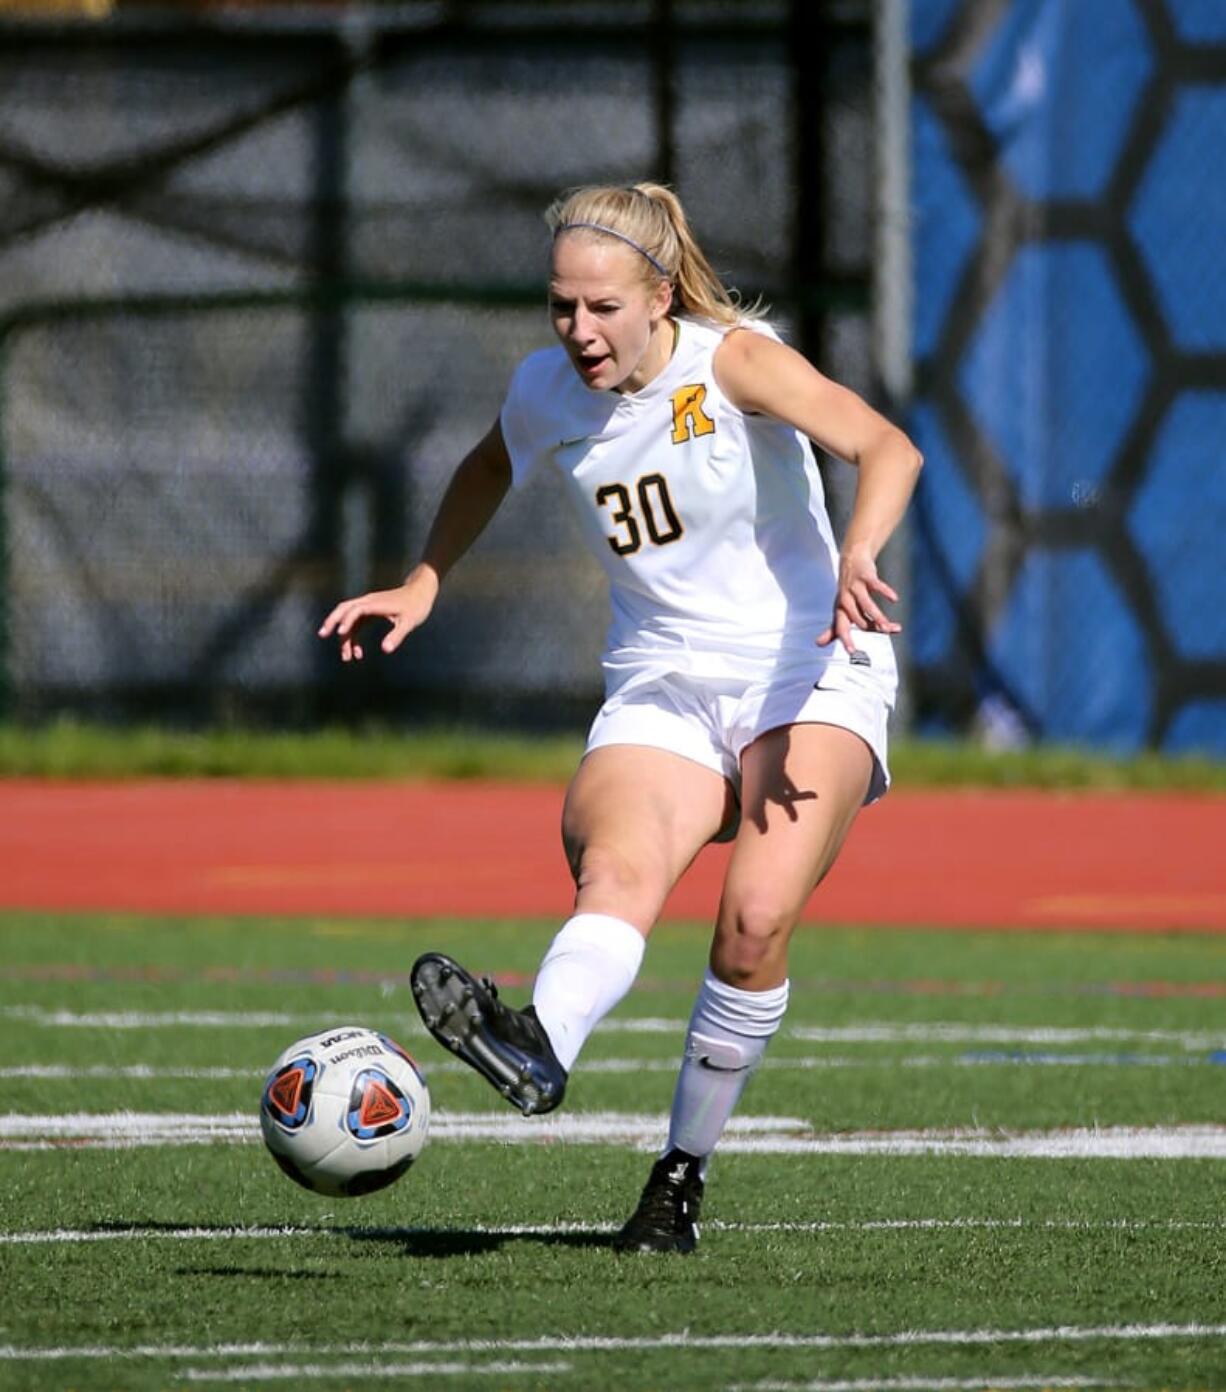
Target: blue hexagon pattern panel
[1178,217]
[1069,227]
[948,515]
[1197,727]
[1064,626]
[1056,371]
[1197,21]
[1059,132]
[947,227]
[1178,518]
[929,21]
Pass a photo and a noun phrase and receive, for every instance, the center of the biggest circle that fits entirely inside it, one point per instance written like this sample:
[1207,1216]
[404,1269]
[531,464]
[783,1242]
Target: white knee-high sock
[728,1034]
[589,967]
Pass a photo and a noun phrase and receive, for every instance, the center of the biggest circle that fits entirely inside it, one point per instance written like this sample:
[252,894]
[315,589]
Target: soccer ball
[345,1111]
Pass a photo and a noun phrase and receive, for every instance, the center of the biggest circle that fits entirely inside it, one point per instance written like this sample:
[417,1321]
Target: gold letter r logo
[689,419]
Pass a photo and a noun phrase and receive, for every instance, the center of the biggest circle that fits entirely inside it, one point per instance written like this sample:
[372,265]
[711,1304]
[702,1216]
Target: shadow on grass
[413,1241]
[468,1242]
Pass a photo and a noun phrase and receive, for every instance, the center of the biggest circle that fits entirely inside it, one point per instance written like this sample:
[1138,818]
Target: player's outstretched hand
[856,603]
[406,607]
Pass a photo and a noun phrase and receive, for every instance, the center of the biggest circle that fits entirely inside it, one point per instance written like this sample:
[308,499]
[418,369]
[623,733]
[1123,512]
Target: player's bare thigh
[802,786]
[634,819]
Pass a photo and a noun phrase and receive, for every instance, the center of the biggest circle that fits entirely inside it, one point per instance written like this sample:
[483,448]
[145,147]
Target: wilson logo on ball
[377,1107]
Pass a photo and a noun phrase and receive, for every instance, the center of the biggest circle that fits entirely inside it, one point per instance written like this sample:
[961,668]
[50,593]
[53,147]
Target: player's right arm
[473,496]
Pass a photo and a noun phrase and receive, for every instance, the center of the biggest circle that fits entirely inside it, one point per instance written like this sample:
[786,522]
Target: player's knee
[613,875]
[753,937]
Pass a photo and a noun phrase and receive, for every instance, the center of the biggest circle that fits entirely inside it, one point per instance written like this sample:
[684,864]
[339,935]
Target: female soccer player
[748,668]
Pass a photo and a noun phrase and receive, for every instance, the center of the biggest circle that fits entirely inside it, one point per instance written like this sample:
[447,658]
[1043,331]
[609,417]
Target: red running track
[958,858]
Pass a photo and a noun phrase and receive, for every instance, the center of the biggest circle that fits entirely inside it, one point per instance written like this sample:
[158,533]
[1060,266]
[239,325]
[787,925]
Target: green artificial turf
[487,1266]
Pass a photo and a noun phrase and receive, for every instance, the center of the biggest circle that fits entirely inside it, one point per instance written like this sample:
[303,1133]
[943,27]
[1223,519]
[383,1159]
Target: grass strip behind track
[71,749]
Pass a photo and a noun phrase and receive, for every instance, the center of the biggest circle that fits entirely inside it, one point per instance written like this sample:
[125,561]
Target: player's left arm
[760,374]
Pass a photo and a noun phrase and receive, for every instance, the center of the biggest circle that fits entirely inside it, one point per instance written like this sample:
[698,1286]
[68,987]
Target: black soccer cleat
[666,1219]
[509,1048]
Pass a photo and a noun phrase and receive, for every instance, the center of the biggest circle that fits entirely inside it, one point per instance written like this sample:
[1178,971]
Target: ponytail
[650,218]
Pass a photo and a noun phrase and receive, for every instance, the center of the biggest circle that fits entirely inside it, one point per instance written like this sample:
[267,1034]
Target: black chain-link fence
[263,278]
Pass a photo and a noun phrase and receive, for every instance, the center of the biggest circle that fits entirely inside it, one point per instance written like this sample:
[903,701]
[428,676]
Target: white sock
[589,967]
[728,1034]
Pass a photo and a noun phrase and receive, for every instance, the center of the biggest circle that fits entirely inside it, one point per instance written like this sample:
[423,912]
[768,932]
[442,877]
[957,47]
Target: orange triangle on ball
[378,1105]
[286,1091]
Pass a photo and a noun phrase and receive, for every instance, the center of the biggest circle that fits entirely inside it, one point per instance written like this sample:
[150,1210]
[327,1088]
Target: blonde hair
[650,218]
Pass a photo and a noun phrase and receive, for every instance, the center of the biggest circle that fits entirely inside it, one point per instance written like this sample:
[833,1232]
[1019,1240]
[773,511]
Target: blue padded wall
[1069,221]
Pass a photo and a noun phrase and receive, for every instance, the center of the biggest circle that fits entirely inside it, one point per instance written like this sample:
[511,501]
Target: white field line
[21,1131]
[617,1343]
[906,1384]
[313,1372]
[803,1063]
[139,1071]
[996,1059]
[162,1019]
[299,1372]
[544,1230]
[869,1032]
[1078,1143]
[256,1019]
[745,1135]
[958,1033]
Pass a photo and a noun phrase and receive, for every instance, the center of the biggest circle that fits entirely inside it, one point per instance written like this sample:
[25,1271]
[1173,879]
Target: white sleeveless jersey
[710,523]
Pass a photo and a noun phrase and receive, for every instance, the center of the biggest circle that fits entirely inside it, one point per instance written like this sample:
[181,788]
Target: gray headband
[621,237]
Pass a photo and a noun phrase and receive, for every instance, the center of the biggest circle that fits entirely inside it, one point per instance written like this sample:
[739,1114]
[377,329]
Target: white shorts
[713,720]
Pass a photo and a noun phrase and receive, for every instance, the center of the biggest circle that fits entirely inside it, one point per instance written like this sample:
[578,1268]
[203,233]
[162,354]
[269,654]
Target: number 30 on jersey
[655,511]
[654,514]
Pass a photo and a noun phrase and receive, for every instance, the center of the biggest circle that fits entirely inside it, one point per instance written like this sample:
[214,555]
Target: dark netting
[263,277]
